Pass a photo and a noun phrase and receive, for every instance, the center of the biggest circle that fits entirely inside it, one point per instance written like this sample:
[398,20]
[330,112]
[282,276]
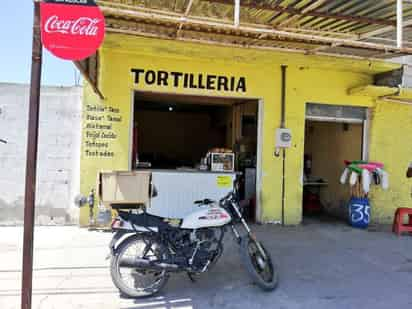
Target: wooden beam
[293,11]
[321,48]
[137,32]
[320,32]
[228,44]
[396,100]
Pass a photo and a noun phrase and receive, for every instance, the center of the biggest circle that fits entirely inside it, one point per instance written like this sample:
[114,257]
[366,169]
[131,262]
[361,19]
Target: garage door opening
[197,138]
[333,134]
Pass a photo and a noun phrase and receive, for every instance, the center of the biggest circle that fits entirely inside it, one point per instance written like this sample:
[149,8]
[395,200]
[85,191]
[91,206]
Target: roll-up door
[335,113]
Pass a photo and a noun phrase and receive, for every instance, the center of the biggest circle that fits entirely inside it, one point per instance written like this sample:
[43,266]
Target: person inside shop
[409,170]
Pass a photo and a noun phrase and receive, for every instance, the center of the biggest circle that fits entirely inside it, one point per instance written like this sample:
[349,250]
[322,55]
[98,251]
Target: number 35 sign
[71,29]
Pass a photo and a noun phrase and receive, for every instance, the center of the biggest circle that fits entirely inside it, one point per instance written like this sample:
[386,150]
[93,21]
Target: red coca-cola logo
[82,26]
[71,32]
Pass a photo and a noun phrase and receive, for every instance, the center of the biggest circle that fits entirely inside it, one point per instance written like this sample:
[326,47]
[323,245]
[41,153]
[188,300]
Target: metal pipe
[133,262]
[394,100]
[399,23]
[282,125]
[31,163]
[237,13]
[283,185]
[283,96]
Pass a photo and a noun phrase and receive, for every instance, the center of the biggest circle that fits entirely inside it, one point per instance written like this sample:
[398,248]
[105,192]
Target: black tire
[115,271]
[268,281]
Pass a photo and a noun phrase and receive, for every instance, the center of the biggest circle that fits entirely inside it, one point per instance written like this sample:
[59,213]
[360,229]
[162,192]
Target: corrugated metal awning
[350,28]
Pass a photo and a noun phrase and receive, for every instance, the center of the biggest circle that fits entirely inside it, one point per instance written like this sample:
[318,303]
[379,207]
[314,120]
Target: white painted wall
[58,179]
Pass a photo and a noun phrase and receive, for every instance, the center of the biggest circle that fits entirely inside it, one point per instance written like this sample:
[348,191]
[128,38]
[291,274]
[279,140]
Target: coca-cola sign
[71,29]
[81,26]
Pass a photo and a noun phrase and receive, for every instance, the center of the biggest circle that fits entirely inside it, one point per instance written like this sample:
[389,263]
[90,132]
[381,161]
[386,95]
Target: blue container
[359,212]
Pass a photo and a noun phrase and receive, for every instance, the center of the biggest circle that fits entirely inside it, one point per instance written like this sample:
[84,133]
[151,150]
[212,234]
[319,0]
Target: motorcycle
[146,249]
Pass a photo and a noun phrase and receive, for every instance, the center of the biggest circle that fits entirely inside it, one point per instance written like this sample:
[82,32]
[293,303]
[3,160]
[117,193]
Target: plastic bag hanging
[353,178]
[366,180]
[344,176]
[376,177]
[385,180]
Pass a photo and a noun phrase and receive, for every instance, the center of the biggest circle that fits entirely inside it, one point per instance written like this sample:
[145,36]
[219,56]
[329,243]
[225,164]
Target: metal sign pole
[31,162]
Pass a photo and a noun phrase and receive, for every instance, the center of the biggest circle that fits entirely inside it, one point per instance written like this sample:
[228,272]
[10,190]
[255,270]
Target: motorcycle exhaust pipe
[145,264]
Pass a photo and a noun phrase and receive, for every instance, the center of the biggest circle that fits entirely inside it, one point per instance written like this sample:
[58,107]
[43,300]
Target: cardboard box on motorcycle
[122,187]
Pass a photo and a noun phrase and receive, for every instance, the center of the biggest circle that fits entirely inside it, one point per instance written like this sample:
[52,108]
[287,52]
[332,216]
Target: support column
[31,162]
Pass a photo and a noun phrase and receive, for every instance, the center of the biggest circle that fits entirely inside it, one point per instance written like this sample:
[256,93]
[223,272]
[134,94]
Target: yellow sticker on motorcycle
[224,181]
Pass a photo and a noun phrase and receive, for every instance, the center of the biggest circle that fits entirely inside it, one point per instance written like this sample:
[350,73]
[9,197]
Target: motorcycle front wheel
[260,266]
[138,282]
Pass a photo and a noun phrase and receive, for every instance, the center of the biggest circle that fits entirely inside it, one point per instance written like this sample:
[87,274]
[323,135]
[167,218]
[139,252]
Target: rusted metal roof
[350,28]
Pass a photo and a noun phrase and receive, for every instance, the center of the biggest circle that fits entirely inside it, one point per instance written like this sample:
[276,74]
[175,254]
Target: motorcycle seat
[145,219]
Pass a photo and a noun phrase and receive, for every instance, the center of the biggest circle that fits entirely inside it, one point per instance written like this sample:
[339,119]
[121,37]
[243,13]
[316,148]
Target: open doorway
[185,134]
[333,134]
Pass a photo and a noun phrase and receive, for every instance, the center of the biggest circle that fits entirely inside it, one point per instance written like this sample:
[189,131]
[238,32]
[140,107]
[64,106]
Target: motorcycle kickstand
[191,277]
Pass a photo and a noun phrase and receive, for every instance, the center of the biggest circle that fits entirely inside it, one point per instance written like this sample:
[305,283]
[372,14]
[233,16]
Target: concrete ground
[322,265]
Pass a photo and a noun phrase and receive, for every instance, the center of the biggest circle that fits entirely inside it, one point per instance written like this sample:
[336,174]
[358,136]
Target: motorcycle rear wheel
[136,282]
[261,268]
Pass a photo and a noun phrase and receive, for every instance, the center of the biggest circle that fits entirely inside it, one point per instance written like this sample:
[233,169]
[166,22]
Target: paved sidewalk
[323,265]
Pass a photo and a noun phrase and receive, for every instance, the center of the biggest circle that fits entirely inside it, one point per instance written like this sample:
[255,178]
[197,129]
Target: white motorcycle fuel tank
[207,216]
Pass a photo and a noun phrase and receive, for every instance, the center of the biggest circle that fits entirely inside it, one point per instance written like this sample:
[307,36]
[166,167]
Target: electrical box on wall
[283,138]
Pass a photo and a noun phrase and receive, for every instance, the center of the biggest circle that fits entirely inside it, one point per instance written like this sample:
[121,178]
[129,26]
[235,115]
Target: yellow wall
[391,143]
[309,79]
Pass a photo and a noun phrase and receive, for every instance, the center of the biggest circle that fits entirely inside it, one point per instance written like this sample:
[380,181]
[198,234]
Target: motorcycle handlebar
[228,196]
